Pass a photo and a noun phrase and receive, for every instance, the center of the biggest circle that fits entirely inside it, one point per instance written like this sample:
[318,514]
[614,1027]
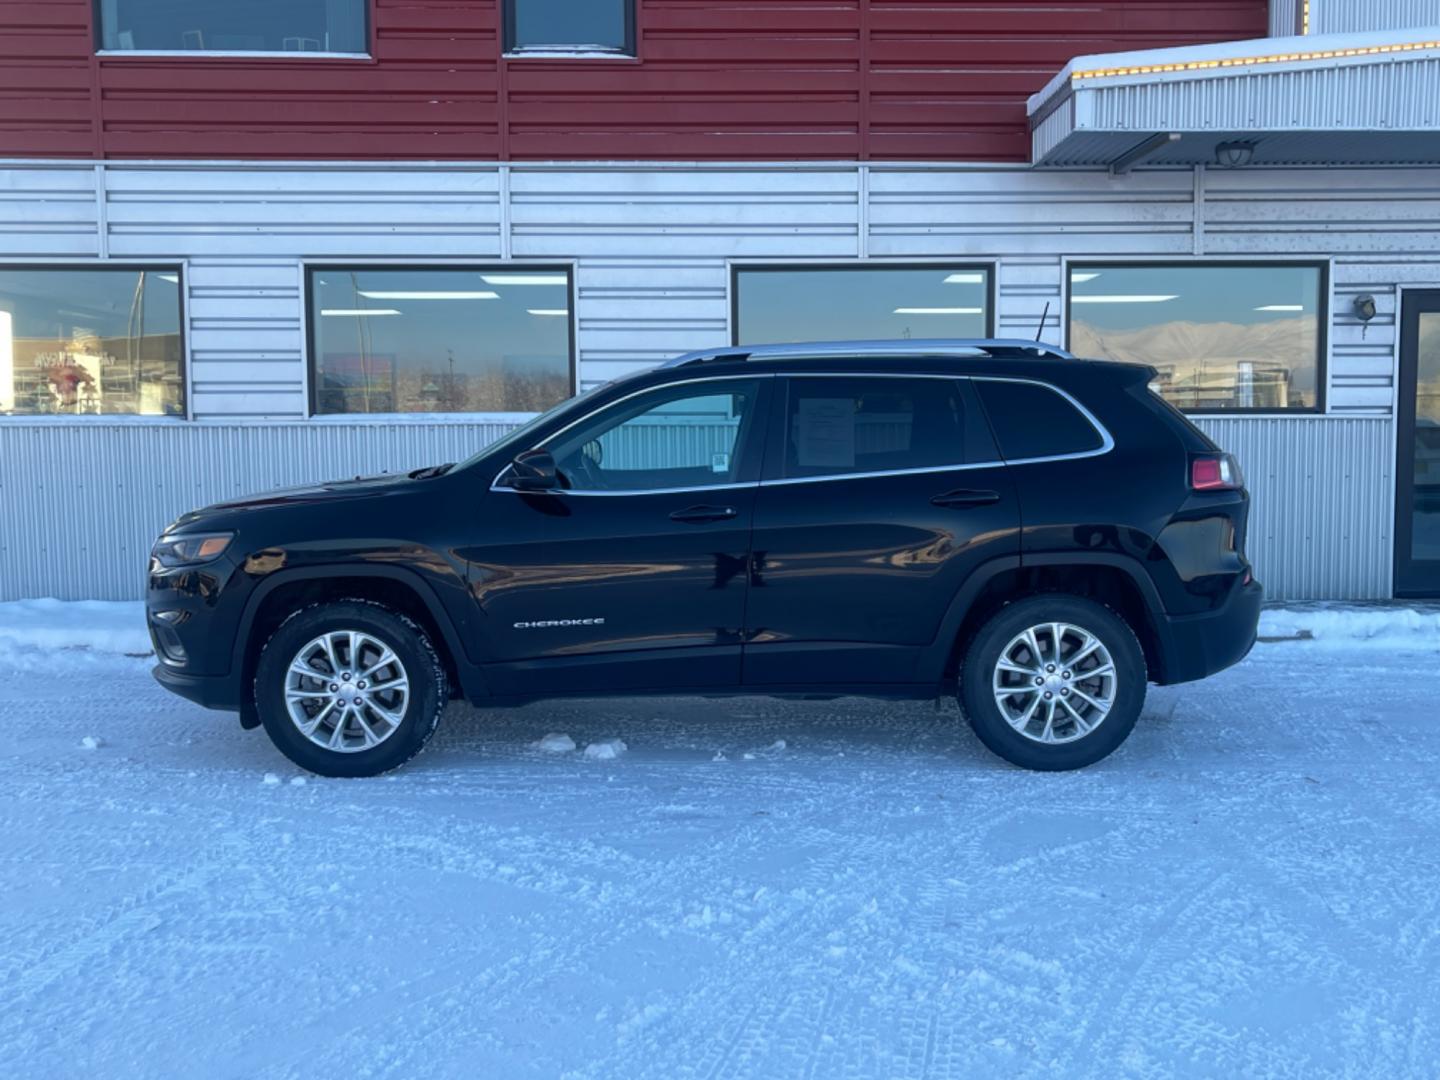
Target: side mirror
[534,470]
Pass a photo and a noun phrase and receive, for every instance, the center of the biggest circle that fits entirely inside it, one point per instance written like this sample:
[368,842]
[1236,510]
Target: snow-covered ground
[1250,887]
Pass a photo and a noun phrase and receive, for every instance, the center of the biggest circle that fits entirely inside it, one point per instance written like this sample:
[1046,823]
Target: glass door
[1417,473]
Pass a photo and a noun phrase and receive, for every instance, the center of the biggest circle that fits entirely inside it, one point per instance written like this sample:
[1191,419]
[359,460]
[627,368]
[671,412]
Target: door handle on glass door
[966,497]
[699,514]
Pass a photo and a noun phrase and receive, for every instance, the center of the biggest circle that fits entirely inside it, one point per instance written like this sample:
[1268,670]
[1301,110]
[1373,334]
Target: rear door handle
[966,497]
[698,514]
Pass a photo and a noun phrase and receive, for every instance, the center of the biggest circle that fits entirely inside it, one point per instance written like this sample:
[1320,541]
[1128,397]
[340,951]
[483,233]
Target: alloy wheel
[347,691]
[1054,683]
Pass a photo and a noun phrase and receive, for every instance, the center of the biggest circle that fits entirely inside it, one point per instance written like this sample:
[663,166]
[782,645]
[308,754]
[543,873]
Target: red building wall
[715,79]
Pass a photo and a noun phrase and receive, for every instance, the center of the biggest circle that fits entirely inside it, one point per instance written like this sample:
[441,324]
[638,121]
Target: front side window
[687,436]
[840,425]
[91,341]
[581,26]
[860,303]
[1222,336]
[323,26]
[439,340]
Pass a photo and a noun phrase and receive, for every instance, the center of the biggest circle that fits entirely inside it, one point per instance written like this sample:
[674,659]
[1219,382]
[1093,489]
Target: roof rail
[997,348]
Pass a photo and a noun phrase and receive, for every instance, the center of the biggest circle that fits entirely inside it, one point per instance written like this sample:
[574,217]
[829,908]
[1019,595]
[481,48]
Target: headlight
[193,550]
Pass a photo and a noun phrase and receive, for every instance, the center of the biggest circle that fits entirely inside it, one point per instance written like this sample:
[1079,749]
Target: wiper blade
[431,471]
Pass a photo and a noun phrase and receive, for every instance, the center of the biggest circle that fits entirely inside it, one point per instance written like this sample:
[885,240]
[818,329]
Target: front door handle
[698,514]
[966,497]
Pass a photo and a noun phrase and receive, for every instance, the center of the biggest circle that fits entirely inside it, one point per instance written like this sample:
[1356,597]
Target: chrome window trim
[496,486]
[1107,442]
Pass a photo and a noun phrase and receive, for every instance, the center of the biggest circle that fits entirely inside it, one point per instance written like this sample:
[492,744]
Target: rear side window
[836,425]
[1034,421]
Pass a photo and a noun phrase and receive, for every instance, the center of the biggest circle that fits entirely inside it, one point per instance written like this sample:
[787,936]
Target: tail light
[1215,472]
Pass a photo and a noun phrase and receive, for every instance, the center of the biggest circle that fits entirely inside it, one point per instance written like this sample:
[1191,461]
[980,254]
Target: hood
[330,491]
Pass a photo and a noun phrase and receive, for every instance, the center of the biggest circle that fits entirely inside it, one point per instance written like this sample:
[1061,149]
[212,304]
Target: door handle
[698,514]
[966,497]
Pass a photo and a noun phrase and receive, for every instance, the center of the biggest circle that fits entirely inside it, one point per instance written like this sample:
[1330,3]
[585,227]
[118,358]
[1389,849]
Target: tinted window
[678,437]
[1221,336]
[570,25]
[1033,421]
[439,341]
[837,425]
[90,341]
[860,303]
[228,26]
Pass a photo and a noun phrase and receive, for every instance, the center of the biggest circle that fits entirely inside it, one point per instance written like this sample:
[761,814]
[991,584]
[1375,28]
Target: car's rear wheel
[1053,682]
[349,688]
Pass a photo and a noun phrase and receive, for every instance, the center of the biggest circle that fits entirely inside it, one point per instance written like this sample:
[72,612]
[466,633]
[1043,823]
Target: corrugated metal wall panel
[1347,16]
[714,80]
[91,497]
[49,213]
[1285,18]
[1322,491]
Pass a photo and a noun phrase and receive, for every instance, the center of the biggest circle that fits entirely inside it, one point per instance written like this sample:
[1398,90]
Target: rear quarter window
[1035,421]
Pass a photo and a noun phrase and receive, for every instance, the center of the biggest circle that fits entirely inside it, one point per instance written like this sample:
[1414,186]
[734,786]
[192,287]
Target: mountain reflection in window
[1222,336]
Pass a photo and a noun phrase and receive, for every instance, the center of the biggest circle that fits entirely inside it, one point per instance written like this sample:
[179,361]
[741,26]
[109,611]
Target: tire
[400,704]
[997,700]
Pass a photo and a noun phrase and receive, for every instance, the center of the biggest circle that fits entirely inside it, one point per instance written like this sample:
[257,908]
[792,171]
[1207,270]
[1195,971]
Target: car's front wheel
[1053,682]
[349,688]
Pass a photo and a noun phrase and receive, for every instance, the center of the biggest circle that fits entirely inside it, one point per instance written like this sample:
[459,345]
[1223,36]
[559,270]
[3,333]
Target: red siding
[715,79]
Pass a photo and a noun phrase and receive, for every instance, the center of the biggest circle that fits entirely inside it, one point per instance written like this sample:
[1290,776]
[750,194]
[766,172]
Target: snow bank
[608,750]
[1341,624]
[101,626]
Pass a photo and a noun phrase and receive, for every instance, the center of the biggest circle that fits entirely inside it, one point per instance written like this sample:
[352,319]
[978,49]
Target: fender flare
[933,658]
[408,578]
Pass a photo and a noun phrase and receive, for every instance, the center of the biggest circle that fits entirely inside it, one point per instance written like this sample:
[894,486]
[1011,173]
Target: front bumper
[212,691]
[1194,646]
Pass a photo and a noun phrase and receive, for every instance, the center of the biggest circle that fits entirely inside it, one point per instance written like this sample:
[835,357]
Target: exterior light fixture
[1235,154]
[1364,307]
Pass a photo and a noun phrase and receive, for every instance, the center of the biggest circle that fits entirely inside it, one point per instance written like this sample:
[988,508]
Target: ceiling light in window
[938,311]
[558,311]
[1138,299]
[375,294]
[1076,279]
[356,313]
[1282,307]
[525,279]
[173,279]
[965,279]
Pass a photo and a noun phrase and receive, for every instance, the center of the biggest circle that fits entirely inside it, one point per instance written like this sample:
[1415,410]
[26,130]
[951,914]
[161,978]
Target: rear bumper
[1194,646]
[212,691]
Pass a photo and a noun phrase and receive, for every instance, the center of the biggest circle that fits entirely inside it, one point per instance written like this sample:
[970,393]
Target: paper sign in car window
[825,433]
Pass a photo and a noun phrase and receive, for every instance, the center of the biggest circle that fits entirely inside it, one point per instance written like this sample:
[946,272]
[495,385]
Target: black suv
[1042,534]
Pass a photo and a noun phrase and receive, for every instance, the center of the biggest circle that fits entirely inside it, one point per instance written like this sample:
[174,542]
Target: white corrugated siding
[1321,503]
[1350,16]
[652,247]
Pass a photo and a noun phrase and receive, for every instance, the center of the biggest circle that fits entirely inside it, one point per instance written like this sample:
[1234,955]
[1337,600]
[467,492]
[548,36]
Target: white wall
[652,247]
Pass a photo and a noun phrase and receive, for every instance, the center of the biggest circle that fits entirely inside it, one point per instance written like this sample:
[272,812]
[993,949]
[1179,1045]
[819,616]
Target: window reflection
[1231,336]
[81,341]
[226,26]
[855,303]
[440,340]
[576,25]
[1425,526]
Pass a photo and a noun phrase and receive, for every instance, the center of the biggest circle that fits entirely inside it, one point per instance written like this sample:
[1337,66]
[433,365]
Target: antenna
[1043,316]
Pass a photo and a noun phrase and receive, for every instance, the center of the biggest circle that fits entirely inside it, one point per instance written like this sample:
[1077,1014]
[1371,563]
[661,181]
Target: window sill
[419,419]
[568,54]
[226,54]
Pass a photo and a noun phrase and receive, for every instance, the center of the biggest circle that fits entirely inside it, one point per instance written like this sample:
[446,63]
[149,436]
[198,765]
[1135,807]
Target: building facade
[247,246]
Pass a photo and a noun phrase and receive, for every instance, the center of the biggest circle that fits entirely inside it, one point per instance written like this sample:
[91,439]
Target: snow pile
[608,750]
[101,626]
[1338,624]
[556,743]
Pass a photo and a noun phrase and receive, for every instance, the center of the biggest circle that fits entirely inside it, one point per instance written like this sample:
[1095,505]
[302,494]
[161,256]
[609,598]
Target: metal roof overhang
[1334,99]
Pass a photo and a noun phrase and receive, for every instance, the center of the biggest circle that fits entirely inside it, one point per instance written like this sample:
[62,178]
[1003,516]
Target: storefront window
[856,303]
[1222,336]
[441,340]
[326,26]
[570,26]
[90,341]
